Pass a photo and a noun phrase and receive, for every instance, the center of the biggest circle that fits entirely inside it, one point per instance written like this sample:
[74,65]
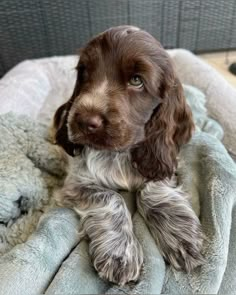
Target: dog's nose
[92,123]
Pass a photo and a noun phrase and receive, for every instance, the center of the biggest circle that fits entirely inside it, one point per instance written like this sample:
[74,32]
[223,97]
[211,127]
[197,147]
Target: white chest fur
[109,169]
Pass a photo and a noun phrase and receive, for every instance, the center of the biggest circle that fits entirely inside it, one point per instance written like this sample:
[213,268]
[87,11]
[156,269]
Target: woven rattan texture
[37,28]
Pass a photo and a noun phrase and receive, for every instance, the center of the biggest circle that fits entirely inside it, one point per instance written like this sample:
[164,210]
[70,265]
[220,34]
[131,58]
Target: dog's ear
[60,129]
[170,126]
[60,118]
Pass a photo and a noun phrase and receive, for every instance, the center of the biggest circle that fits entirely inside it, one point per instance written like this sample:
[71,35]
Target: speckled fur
[93,193]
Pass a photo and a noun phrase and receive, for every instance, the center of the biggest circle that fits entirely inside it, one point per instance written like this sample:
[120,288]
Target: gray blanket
[39,246]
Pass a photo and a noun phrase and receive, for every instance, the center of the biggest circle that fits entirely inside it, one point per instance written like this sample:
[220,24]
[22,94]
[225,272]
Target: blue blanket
[40,249]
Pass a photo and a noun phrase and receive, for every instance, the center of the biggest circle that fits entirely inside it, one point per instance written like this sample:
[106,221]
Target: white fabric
[38,87]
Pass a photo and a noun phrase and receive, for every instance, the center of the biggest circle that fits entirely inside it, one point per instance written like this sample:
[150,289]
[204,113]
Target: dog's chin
[117,140]
[108,146]
[104,143]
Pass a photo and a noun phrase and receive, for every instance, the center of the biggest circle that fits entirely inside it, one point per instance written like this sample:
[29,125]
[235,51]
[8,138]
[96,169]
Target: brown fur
[129,138]
[153,122]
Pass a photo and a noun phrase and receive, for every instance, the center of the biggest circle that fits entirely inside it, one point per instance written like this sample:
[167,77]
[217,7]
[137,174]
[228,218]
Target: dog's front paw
[179,238]
[173,224]
[186,252]
[118,261]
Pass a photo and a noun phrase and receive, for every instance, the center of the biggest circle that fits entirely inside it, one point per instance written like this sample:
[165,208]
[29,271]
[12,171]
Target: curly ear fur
[170,126]
[60,123]
[60,129]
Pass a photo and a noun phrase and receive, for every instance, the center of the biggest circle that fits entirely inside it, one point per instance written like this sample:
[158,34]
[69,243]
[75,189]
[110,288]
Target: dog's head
[127,96]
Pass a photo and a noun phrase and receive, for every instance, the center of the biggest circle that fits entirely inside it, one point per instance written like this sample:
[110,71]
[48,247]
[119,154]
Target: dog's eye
[136,81]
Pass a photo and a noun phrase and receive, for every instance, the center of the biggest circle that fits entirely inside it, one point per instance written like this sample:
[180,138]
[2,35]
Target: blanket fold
[29,267]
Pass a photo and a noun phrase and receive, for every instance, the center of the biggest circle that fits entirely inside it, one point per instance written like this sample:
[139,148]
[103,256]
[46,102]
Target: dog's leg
[106,221]
[172,222]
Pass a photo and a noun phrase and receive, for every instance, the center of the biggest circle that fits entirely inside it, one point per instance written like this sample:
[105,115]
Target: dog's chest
[112,170]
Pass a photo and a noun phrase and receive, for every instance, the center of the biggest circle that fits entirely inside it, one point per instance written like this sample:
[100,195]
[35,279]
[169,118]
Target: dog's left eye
[136,81]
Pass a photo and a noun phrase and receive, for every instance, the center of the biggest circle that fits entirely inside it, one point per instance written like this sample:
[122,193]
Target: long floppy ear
[60,129]
[170,126]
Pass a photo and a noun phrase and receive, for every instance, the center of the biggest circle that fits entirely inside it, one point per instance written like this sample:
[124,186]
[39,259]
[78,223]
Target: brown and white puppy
[127,119]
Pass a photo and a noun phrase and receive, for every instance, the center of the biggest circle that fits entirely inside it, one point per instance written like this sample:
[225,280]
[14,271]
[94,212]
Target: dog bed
[39,246]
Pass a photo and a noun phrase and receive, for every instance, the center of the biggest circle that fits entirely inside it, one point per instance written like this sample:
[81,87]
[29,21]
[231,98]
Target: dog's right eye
[136,81]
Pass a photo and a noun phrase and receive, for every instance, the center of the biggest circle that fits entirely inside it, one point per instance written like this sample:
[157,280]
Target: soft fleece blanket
[39,245]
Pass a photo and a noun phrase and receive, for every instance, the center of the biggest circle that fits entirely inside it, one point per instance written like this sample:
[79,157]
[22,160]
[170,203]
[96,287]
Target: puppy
[125,122]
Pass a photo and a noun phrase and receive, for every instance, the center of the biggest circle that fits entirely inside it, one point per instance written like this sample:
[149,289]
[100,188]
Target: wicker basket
[31,29]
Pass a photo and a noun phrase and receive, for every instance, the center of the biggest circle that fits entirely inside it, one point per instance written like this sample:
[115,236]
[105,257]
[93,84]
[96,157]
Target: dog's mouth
[118,136]
[98,142]
[117,140]
[74,141]
[112,139]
